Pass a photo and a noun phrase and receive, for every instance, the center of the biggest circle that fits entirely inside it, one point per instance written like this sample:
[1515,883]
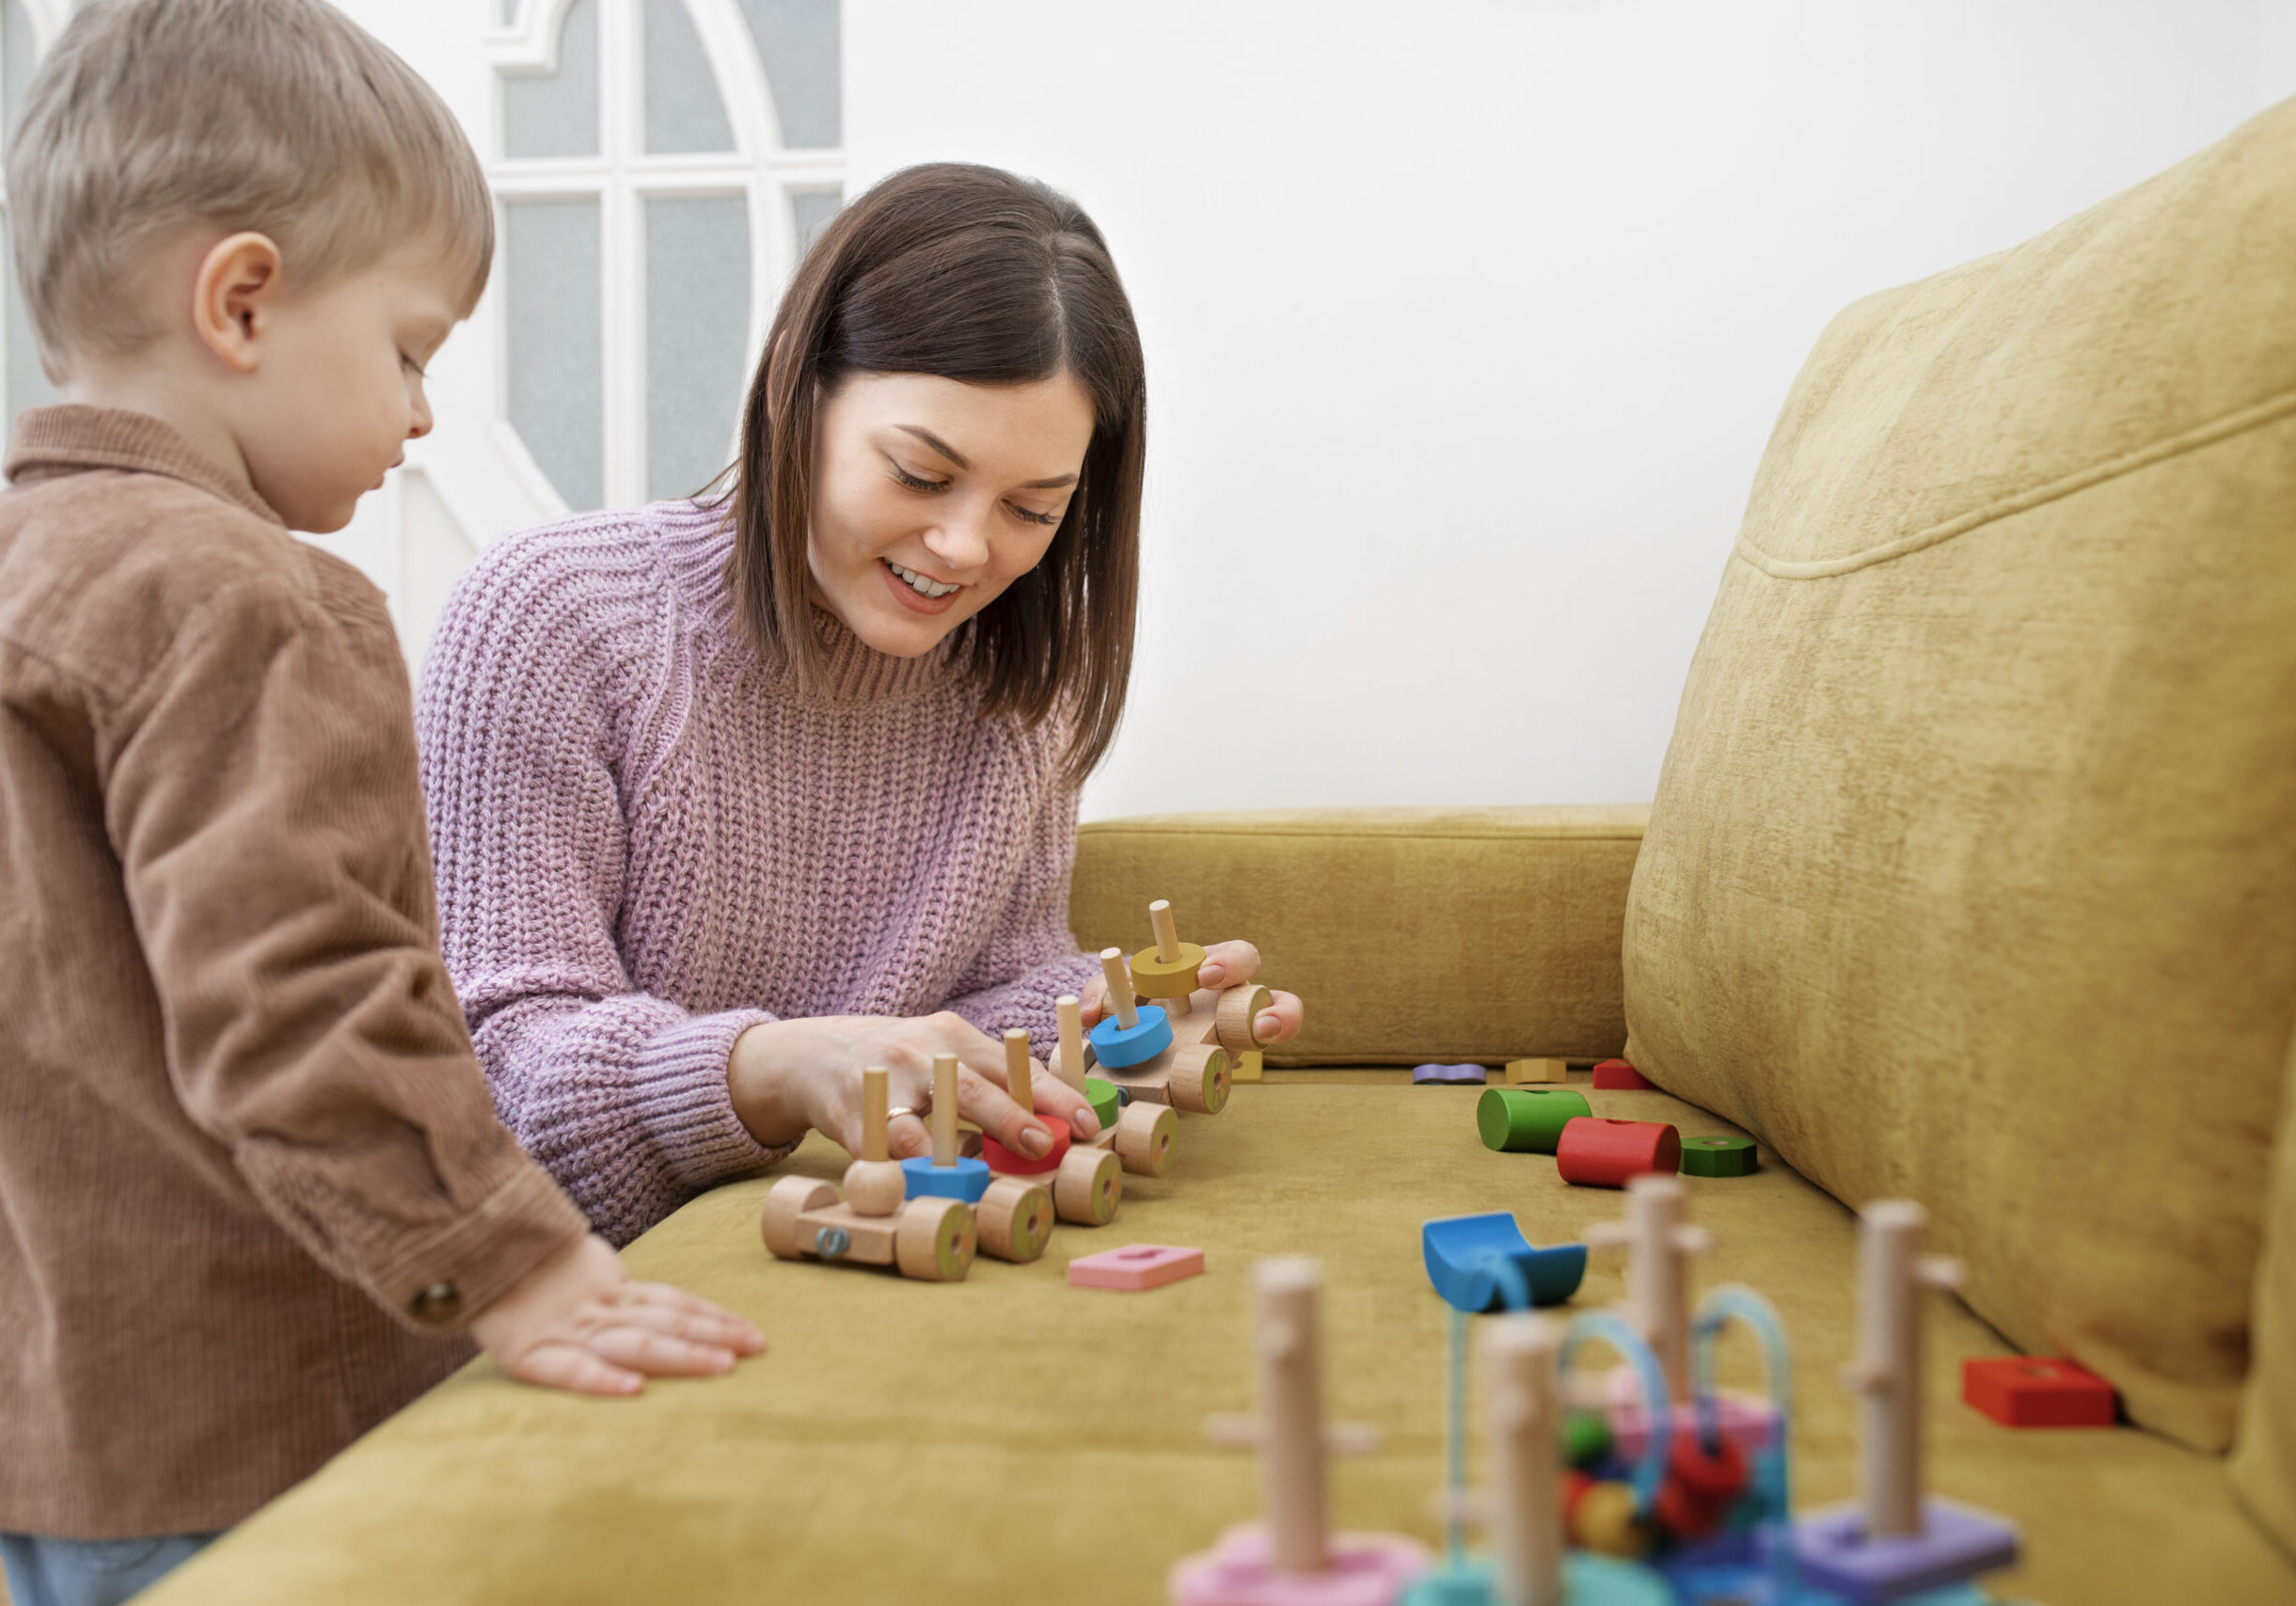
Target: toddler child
[251,1182]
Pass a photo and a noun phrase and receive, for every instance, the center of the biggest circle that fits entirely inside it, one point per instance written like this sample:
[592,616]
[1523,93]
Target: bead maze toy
[1293,1559]
[929,1238]
[1165,1039]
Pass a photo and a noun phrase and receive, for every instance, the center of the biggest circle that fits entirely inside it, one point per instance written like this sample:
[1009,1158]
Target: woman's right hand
[787,1076]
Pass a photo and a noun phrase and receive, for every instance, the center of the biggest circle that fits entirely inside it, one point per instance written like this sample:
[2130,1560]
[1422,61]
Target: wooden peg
[1120,988]
[1889,1343]
[1071,1014]
[1658,1244]
[875,1100]
[945,1109]
[1167,934]
[1018,1080]
[1520,1352]
[1291,1414]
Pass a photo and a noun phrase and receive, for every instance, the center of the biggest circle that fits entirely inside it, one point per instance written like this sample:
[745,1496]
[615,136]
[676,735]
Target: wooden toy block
[1616,1075]
[1166,968]
[1247,1067]
[931,1240]
[1522,1071]
[874,1184]
[1293,1559]
[1018,1081]
[1596,1153]
[1138,1267]
[1448,1076]
[1468,1259]
[1718,1156]
[1527,1120]
[2028,1391]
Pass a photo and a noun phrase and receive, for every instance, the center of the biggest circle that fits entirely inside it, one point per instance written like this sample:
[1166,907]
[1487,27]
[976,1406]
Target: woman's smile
[919,591]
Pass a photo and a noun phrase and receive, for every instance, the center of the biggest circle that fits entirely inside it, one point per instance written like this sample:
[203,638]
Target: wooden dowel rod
[1119,988]
[1016,1080]
[874,1101]
[1071,1013]
[1167,934]
[945,1109]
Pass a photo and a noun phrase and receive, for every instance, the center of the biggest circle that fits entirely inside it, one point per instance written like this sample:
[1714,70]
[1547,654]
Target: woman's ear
[234,294]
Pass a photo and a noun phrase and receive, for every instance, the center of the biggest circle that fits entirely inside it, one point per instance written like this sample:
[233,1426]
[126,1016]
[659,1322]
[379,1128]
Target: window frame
[621,178]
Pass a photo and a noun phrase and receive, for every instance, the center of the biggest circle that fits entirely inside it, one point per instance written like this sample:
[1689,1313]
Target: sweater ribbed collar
[72,438]
[695,544]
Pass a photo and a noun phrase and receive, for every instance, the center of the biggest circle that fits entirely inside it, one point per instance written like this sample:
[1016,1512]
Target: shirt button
[438,1304]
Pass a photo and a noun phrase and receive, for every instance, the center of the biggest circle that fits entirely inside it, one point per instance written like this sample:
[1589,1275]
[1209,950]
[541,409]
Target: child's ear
[232,297]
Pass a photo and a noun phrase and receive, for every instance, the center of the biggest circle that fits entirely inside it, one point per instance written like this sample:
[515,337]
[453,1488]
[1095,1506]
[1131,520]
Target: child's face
[338,392]
[959,486]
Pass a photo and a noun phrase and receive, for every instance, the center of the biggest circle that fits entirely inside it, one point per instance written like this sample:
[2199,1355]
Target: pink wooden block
[1142,1265]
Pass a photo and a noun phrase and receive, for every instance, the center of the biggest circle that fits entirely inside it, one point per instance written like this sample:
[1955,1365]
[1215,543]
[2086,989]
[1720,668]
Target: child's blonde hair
[283,116]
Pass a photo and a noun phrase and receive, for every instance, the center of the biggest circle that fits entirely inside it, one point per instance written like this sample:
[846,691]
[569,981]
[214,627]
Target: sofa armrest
[1414,935]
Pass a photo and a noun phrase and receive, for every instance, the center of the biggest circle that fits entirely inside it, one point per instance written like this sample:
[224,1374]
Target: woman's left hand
[1226,964]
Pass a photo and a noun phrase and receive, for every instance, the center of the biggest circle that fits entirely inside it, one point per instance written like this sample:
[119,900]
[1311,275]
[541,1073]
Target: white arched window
[660,164]
[26,29]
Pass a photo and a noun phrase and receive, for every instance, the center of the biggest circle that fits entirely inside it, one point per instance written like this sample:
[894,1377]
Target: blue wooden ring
[967,1180]
[1116,1048]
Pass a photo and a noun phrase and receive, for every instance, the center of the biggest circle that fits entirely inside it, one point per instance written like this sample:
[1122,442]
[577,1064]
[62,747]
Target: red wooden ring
[1596,1153]
[1007,1162]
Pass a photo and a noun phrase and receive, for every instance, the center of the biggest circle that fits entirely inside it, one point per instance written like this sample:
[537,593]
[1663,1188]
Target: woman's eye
[1033,517]
[914,483]
[411,363]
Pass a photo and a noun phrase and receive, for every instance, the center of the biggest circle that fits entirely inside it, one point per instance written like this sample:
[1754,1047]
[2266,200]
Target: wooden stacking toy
[1165,1039]
[1085,1182]
[932,1239]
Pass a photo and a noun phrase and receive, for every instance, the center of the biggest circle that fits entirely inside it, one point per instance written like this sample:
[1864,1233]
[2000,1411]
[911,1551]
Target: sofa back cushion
[2264,1461]
[1972,874]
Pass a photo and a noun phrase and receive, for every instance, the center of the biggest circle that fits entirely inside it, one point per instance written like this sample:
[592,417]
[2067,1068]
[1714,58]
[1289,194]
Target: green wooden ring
[1718,1156]
[1153,979]
[1527,1120]
[1106,1102]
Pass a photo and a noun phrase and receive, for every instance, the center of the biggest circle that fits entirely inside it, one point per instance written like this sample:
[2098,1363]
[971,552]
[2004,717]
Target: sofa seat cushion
[1972,874]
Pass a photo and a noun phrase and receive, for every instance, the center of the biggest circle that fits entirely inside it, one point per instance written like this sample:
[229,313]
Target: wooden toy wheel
[786,1200]
[935,1240]
[1144,1137]
[1015,1219]
[1199,1079]
[1087,1186]
[1234,1017]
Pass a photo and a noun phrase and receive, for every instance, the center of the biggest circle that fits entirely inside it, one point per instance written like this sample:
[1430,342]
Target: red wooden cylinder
[1595,1153]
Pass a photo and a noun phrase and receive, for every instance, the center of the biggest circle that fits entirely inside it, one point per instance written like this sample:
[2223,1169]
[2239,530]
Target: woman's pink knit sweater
[648,840]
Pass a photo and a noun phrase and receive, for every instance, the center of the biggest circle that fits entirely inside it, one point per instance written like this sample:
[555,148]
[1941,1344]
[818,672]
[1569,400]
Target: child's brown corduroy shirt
[249,1171]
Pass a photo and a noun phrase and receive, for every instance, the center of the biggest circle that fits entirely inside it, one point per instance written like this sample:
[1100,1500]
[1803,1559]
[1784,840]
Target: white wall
[1467,319]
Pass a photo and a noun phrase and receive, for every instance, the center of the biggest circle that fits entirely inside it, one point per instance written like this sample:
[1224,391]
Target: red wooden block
[1011,1163]
[1619,1076]
[1595,1153]
[2031,1391]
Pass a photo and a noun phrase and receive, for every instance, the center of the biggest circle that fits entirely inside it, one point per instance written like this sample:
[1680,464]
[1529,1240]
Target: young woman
[734,798]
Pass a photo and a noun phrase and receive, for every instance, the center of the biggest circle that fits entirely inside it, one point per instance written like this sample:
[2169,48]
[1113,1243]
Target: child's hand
[785,1076]
[1226,964]
[581,1324]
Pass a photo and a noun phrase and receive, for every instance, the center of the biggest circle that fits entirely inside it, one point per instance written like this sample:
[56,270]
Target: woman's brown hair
[972,273]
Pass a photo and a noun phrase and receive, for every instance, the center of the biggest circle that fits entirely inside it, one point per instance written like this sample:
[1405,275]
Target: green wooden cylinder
[1527,1120]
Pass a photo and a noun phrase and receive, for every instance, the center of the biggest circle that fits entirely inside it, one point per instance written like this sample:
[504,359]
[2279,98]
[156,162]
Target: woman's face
[932,496]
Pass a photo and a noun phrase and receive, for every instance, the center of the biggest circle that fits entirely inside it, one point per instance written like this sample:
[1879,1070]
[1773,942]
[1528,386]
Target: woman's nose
[961,540]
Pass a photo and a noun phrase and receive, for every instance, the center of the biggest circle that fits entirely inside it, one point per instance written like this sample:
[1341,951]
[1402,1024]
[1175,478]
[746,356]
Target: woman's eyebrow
[958,458]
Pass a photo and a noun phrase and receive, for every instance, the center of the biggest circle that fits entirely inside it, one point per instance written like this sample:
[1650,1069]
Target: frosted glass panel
[810,211]
[558,114]
[683,108]
[697,334]
[556,359]
[22,58]
[27,386]
[799,43]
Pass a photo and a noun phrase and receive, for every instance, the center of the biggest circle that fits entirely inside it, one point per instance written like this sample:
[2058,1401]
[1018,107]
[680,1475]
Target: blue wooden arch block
[1468,1257]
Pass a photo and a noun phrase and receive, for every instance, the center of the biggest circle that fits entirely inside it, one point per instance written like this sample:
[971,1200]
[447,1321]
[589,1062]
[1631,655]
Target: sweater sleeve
[261,795]
[621,1094]
[1032,958]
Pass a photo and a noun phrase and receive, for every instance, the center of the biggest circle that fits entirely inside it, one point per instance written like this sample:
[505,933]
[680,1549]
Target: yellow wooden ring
[1154,979]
